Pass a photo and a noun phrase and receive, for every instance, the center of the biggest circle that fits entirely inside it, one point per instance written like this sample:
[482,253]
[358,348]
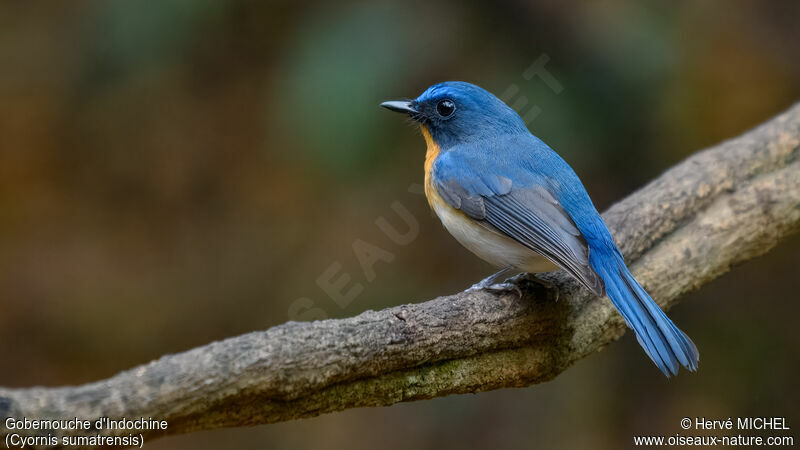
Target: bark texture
[718,208]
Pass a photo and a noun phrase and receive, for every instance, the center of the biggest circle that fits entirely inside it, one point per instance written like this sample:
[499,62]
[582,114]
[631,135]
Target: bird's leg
[491,283]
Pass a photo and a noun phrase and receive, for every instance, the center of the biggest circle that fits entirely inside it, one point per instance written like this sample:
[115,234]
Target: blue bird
[510,199]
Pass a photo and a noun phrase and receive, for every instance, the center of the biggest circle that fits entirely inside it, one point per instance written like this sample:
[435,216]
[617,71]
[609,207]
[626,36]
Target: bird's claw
[504,287]
[489,284]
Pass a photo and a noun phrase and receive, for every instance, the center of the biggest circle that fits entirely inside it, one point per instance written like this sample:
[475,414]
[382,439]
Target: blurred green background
[177,172]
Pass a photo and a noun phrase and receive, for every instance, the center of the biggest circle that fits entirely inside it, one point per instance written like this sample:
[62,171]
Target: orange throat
[430,156]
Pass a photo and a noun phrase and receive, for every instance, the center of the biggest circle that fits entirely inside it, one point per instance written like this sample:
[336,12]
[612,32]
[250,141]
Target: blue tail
[664,343]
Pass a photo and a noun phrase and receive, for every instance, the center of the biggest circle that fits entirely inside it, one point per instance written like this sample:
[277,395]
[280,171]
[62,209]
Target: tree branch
[720,207]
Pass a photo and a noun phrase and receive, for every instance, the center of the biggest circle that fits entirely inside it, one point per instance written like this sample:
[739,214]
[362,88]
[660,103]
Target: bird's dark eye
[445,108]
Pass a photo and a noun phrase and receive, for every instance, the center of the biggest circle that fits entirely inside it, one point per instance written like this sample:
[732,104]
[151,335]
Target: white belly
[489,245]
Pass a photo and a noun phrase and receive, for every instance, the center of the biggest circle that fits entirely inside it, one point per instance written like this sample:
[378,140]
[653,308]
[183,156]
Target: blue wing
[510,191]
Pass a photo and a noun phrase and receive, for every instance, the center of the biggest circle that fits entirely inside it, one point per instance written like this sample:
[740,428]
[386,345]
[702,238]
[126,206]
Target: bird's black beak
[403,106]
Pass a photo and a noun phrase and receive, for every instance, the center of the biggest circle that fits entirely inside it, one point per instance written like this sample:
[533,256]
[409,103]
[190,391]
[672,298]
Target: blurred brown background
[177,172]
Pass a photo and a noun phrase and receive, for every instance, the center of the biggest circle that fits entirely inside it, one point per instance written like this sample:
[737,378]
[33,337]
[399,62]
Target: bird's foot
[491,284]
[504,287]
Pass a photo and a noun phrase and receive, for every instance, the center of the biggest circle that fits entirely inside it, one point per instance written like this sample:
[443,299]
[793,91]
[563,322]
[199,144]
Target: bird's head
[456,112]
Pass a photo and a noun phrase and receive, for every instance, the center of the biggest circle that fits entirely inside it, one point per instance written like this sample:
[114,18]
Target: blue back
[527,161]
